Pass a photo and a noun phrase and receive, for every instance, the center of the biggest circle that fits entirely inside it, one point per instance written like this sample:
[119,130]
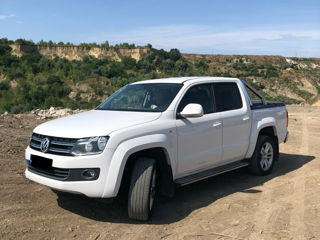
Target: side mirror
[192,110]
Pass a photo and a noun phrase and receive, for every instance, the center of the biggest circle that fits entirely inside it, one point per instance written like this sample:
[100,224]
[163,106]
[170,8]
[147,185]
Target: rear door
[199,139]
[230,103]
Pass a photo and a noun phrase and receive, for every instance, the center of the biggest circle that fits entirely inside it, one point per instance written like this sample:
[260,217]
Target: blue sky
[287,27]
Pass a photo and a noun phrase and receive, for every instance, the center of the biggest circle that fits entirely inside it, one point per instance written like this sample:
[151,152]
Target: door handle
[216,124]
[246,118]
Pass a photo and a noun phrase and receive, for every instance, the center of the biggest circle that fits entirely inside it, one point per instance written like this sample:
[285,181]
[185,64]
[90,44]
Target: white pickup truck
[154,135]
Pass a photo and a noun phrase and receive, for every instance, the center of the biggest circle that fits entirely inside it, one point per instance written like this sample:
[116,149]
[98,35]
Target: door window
[227,96]
[201,94]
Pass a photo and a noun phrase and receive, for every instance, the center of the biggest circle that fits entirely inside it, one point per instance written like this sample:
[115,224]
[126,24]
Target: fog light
[88,174]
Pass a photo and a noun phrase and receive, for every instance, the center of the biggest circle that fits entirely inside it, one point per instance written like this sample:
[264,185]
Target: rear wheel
[142,189]
[264,156]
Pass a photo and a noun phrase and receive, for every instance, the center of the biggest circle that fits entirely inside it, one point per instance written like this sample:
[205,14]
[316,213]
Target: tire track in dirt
[271,217]
[297,225]
[276,215]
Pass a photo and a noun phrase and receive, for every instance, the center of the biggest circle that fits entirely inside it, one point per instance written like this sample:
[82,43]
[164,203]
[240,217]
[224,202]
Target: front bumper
[93,188]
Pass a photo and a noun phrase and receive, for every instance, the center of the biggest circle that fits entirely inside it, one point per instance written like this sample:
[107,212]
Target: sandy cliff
[78,52]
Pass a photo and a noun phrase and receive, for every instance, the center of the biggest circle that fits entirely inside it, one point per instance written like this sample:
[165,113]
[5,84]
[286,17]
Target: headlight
[89,146]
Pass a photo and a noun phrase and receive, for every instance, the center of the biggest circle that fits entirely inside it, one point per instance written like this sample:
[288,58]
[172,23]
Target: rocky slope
[276,76]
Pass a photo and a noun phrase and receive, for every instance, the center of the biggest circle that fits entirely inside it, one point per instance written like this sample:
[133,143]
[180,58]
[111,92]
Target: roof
[184,79]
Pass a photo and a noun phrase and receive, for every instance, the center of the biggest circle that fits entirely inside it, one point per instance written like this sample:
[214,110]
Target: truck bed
[257,104]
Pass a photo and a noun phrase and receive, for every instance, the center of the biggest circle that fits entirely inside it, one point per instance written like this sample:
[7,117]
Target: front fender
[122,153]
[256,128]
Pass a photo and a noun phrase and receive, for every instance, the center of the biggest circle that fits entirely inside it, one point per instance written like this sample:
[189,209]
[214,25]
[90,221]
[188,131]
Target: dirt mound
[54,112]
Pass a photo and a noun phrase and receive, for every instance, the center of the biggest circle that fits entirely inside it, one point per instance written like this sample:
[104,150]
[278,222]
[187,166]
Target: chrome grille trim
[58,146]
[36,138]
[62,143]
[59,150]
[35,145]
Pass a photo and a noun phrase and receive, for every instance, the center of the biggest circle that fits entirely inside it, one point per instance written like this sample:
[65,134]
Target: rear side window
[227,96]
[200,94]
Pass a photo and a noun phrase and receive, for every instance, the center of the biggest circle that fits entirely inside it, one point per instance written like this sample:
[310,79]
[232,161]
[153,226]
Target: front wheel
[142,189]
[264,156]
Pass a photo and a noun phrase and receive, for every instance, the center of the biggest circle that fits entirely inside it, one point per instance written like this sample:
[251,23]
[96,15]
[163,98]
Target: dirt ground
[235,205]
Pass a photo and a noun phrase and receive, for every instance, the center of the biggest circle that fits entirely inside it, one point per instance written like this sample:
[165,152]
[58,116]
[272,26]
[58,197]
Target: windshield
[148,97]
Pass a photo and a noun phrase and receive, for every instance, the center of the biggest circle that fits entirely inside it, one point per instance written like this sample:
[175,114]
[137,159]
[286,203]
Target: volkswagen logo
[44,146]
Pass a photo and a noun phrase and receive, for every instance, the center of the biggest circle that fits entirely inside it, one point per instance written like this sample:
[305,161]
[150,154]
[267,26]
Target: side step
[210,173]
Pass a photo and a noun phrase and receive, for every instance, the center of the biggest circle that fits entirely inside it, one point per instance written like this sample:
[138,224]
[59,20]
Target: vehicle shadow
[187,199]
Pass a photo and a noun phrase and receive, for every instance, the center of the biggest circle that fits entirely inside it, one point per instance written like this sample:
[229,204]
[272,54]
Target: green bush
[4,85]
[128,63]
[284,99]
[201,65]
[53,79]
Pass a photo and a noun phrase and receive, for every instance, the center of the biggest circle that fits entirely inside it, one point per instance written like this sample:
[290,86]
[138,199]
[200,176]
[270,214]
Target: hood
[94,123]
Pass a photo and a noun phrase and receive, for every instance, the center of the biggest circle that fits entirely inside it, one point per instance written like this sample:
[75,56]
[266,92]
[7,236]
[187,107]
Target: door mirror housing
[192,110]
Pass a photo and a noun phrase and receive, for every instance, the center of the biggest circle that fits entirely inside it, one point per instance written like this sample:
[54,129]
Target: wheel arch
[270,131]
[165,177]
[267,127]
[156,146]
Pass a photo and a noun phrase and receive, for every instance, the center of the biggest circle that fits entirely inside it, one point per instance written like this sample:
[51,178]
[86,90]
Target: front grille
[55,173]
[58,146]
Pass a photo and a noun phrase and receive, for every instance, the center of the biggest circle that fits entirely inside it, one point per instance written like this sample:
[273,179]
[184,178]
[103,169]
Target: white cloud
[4,17]
[206,39]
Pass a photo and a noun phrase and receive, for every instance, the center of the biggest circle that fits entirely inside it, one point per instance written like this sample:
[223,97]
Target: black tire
[262,164]
[142,189]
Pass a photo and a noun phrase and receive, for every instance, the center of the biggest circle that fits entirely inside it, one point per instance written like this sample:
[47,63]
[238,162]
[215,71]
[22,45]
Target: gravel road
[235,205]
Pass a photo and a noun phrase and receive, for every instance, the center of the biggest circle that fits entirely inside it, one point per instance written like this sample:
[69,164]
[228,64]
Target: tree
[43,43]
[168,65]
[22,41]
[174,54]
[105,44]
[53,79]
[85,59]
[128,62]
[182,66]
